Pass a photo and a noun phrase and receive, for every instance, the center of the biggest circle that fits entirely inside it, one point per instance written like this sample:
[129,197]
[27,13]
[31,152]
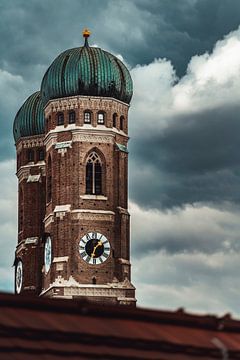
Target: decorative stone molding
[123,261]
[48,220]
[96,215]
[30,287]
[28,241]
[86,102]
[60,259]
[122,210]
[31,240]
[93,197]
[20,247]
[29,142]
[24,171]
[61,210]
[34,178]
[63,146]
[50,140]
[93,137]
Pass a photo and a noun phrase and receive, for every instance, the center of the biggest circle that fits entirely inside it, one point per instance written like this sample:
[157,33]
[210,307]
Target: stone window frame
[87,117]
[101,159]
[101,117]
[71,117]
[60,118]
[114,119]
[122,121]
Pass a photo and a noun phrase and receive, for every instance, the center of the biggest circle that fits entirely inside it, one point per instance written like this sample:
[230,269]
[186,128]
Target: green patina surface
[87,71]
[29,120]
[122,147]
[84,70]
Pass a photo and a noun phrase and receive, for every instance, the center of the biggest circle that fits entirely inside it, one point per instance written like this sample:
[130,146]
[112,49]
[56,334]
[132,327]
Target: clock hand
[95,248]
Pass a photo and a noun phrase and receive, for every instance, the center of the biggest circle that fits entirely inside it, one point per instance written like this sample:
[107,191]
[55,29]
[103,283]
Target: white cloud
[211,80]
[200,271]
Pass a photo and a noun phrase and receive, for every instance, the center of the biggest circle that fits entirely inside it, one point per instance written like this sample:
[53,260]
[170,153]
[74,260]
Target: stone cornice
[85,102]
[29,142]
[99,134]
[24,171]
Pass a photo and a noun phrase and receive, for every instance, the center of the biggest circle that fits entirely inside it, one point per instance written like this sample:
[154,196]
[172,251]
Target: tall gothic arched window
[94,174]
[20,206]
[49,179]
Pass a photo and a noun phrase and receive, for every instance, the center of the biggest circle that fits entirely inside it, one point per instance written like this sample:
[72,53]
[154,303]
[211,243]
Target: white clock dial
[94,248]
[48,254]
[19,277]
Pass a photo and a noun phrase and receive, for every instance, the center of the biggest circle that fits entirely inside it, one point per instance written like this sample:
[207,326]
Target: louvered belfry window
[94,174]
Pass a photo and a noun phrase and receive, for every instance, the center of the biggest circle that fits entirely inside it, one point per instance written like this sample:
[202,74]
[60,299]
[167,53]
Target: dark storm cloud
[196,158]
[33,33]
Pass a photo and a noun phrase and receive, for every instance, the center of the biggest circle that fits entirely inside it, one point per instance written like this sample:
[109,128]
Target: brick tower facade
[73,201]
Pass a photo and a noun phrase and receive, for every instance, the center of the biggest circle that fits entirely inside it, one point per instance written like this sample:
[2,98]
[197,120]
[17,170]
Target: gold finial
[86,33]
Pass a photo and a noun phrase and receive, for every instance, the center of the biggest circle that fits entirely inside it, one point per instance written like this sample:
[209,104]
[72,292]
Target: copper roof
[39,328]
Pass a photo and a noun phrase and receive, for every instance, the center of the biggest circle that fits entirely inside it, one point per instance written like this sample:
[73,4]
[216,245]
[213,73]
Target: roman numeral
[101,260]
[105,255]
[83,254]
[94,261]
[107,248]
[81,247]
[88,259]
[106,241]
[88,237]
[94,235]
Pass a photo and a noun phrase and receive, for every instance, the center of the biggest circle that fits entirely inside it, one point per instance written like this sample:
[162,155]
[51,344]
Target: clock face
[19,277]
[94,248]
[48,254]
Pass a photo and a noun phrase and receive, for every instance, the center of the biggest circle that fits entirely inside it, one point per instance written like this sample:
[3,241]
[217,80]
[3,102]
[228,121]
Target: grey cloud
[194,159]
[33,33]
[189,230]
[200,283]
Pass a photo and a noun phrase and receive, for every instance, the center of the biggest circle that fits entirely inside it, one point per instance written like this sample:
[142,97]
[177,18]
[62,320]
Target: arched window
[72,117]
[60,119]
[20,207]
[30,155]
[114,120]
[121,122]
[94,174]
[87,117]
[101,118]
[40,154]
[49,179]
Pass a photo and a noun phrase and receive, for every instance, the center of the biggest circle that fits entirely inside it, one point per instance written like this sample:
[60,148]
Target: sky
[184,127]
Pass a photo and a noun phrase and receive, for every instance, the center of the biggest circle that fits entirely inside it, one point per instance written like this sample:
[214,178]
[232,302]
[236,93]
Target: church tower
[73,200]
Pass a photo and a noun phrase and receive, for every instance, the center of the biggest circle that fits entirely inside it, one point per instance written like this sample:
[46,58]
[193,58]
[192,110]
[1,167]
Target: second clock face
[94,248]
[48,254]
[19,277]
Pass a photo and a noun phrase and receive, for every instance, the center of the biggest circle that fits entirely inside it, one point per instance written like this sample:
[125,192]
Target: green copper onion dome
[87,71]
[29,120]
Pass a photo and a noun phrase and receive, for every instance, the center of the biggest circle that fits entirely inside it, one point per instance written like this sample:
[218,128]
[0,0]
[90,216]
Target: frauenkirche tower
[72,166]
